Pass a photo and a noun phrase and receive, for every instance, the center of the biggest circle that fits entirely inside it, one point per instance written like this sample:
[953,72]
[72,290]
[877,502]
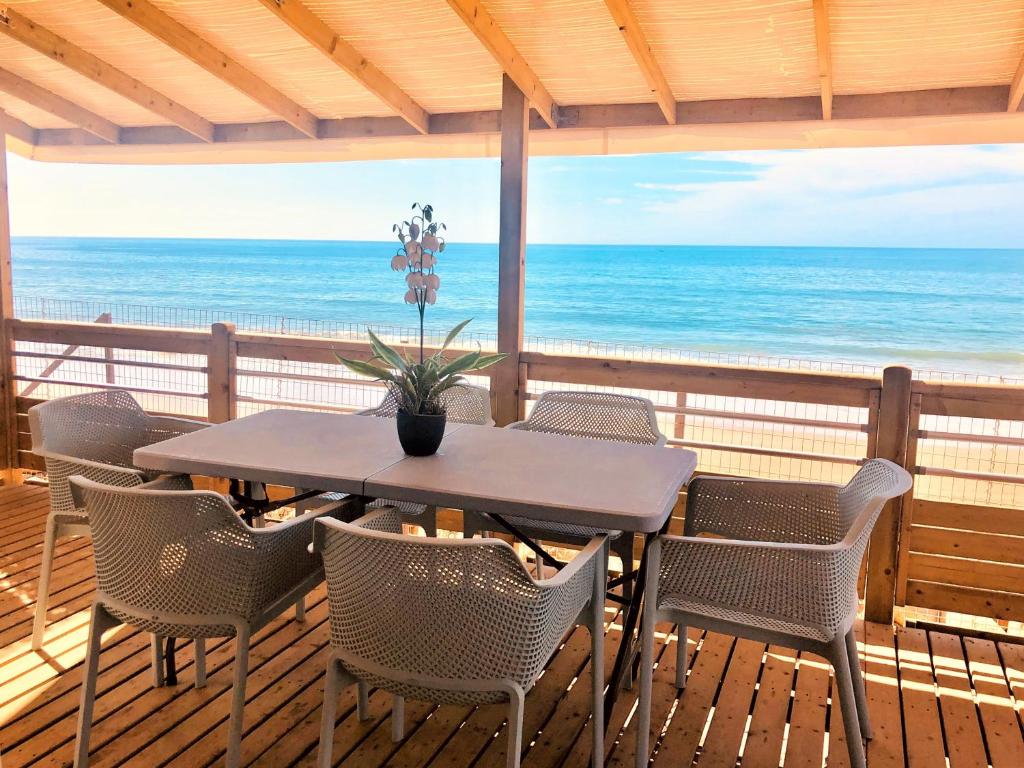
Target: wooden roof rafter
[27,32]
[823,39]
[323,38]
[56,105]
[1016,88]
[20,130]
[625,19]
[175,35]
[487,31]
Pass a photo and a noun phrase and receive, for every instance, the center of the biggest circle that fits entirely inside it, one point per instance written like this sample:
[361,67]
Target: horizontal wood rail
[952,554]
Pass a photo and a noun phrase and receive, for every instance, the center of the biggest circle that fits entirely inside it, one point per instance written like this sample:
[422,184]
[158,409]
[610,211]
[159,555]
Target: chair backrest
[165,556]
[601,415]
[452,609]
[105,426]
[464,404]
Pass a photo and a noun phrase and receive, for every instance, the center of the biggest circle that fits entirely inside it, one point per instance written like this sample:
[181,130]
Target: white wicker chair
[92,435]
[465,404]
[785,573]
[183,564]
[598,415]
[452,621]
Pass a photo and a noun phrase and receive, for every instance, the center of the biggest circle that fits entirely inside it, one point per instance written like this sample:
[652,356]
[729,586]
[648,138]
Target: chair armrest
[583,560]
[169,483]
[166,427]
[386,519]
[760,510]
[517,425]
[806,584]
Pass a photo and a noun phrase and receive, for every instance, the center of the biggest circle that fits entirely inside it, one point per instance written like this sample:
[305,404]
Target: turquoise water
[932,309]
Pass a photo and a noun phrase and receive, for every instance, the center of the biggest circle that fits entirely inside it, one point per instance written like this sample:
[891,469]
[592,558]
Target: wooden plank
[967,544]
[980,574]
[222,381]
[8,389]
[806,743]
[27,32]
[320,36]
[907,502]
[883,695]
[512,63]
[511,250]
[19,130]
[687,725]
[969,517]
[155,22]
[1016,88]
[722,744]
[629,26]
[1012,656]
[823,43]
[1003,735]
[983,401]
[883,550]
[975,602]
[728,380]
[920,704]
[178,340]
[771,707]
[964,741]
[39,97]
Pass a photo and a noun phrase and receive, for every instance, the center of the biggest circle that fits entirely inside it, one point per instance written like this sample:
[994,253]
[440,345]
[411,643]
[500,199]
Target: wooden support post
[680,420]
[110,373]
[515,113]
[8,391]
[891,443]
[221,371]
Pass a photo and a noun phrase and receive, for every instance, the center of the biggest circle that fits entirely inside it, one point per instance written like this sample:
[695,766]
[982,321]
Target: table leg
[627,648]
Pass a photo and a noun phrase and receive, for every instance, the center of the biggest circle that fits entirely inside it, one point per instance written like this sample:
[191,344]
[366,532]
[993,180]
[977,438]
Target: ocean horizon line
[211,239]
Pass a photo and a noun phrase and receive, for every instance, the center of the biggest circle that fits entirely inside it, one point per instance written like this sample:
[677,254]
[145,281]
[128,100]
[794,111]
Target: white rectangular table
[579,481]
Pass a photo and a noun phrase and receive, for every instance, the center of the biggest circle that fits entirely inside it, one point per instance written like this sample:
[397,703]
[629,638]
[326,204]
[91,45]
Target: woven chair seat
[539,527]
[742,618]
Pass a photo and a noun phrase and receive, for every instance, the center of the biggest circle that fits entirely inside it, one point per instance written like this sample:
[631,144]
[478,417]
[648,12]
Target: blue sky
[970,196]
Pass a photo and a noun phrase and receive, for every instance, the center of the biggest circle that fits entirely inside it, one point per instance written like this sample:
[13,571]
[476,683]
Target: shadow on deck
[932,695]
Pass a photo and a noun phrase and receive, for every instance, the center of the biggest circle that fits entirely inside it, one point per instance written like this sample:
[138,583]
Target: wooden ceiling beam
[155,22]
[625,19]
[323,38]
[47,101]
[487,31]
[823,38]
[1016,88]
[27,32]
[19,129]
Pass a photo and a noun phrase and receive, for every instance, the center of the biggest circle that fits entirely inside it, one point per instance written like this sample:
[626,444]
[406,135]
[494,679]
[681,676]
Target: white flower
[415,280]
[410,296]
[428,260]
[399,263]
[413,250]
[431,295]
[433,281]
[430,242]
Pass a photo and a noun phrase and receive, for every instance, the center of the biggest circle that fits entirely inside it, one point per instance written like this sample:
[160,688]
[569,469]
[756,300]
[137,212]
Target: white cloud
[613,201]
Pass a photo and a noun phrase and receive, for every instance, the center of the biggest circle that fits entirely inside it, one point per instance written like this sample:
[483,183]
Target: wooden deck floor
[932,695]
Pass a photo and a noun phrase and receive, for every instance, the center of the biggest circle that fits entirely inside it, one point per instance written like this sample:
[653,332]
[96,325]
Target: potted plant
[418,386]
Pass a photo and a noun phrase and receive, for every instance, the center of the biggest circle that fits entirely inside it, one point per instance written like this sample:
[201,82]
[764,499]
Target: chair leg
[238,698]
[300,609]
[101,621]
[43,592]
[332,689]
[397,718]
[429,516]
[597,659]
[848,702]
[681,657]
[515,728]
[623,547]
[643,712]
[156,647]
[200,649]
[858,685]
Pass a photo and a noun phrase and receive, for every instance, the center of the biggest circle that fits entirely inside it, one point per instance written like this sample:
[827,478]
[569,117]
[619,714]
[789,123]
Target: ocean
[932,309]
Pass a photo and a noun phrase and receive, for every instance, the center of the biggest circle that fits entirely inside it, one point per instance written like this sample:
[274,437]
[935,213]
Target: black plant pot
[421,433]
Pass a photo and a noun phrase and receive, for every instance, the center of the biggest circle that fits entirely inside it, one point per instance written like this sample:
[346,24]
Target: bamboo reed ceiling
[279,80]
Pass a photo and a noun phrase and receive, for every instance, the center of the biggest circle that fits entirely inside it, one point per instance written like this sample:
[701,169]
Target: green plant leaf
[455,332]
[364,368]
[386,353]
[485,361]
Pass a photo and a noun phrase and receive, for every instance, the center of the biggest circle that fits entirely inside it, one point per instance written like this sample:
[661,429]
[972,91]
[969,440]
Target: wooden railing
[930,553]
